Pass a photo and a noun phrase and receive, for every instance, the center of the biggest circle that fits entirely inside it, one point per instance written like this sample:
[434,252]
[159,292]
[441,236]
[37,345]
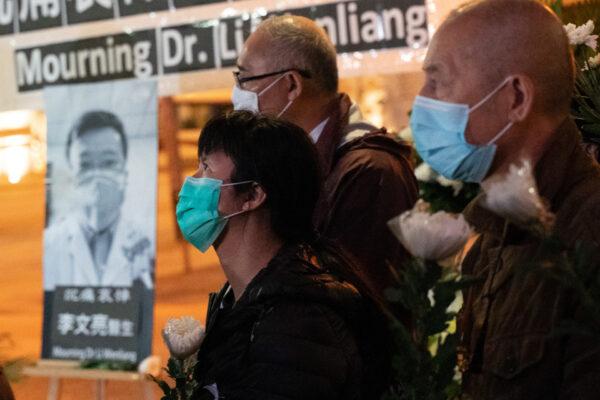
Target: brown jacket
[368,180]
[508,320]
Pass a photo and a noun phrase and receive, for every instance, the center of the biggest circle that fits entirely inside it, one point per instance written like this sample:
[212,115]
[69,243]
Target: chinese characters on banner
[95,323]
[202,45]
[28,15]
[38,14]
[99,240]
[88,10]
[133,7]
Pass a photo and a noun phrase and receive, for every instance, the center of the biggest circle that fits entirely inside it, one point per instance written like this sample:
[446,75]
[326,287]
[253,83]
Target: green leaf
[164,386]
[174,368]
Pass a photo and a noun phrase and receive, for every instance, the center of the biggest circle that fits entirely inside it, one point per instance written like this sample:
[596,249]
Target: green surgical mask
[197,211]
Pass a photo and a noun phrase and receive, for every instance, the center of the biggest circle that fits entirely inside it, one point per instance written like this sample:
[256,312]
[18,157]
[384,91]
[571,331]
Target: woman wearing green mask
[294,320]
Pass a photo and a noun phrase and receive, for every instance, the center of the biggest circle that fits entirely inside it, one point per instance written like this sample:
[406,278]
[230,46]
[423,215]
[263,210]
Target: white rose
[150,366]
[430,236]
[424,173]
[406,134]
[514,196]
[182,336]
[582,34]
[594,62]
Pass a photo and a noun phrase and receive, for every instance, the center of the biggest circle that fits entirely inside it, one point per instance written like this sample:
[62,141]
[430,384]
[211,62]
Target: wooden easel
[58,370]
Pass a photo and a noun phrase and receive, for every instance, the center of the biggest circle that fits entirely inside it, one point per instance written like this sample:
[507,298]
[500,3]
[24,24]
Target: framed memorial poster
[99,239]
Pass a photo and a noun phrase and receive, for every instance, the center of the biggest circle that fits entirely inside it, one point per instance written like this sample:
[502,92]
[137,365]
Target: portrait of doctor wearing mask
[94,245]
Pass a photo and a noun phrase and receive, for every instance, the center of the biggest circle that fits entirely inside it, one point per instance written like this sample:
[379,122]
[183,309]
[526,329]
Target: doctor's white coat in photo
[68,259]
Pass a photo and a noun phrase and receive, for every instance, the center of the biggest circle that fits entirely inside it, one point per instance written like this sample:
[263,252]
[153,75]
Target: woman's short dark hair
[276,154]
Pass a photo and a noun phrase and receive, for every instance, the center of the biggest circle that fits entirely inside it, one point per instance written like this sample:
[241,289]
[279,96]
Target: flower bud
[150,365]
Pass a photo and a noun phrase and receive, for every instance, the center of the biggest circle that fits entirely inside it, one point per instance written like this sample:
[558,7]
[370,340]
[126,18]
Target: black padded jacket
[297,332]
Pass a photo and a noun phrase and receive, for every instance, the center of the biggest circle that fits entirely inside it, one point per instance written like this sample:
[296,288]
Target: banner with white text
[354,26]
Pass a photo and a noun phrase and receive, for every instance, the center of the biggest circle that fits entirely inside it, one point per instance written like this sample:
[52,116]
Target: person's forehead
[254,57]
[217,161]
[441,54]
[98,140]
[450,53]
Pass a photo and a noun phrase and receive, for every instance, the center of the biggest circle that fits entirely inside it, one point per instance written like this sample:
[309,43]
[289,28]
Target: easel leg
[53,388]
[100,389]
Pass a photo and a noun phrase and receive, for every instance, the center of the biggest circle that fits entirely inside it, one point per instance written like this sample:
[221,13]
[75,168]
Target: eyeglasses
[241,81]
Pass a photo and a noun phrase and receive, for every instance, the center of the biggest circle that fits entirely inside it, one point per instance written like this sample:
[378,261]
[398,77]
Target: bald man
[499,78]
[288,69]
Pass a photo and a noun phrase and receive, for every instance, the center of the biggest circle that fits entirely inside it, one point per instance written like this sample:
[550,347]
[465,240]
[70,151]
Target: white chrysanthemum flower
[425,173]
[182,336]
[582,34]
[150,366]
[514,196]
[430,236]
[594,62]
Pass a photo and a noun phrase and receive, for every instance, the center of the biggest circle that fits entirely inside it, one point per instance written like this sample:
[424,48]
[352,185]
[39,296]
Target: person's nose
[198,173]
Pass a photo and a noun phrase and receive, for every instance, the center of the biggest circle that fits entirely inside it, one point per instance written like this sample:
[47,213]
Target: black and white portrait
[101,185]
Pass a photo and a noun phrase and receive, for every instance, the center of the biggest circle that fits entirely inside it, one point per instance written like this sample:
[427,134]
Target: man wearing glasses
[288,68]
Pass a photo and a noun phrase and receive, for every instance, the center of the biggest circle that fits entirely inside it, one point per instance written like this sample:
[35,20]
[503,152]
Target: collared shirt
[99,244]
[317,130]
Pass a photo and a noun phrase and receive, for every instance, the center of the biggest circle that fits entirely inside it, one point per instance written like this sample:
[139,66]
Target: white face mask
[100,195]
[248,100]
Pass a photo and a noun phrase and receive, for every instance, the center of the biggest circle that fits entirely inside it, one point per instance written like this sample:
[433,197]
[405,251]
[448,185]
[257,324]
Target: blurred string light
[15,157]
[21,149]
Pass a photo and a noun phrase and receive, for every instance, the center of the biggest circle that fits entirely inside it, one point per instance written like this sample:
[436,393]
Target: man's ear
[255,198]
[523,94]
[295,85]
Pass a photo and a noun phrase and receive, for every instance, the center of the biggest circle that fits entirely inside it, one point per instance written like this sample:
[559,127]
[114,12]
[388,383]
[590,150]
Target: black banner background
[353,27]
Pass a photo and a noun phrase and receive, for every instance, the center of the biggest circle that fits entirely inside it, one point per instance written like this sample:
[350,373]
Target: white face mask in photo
[248,100]
[100,194]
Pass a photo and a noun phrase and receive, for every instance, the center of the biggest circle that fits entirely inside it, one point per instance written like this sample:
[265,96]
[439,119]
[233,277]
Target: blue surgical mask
[438,129]
[197,211]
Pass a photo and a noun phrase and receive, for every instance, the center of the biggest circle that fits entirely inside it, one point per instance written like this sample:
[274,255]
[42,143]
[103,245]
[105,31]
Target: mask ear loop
[486,98]
[270,85]
[234,214]
[238,212]
[285,108]
[501,133]
[493,92]
[235,183]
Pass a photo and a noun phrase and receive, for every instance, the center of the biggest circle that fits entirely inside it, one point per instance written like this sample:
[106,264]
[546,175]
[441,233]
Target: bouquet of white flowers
[425,361]
[584,42]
